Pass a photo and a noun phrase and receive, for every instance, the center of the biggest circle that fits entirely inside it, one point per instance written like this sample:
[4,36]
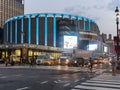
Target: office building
[32,34]
[10,8]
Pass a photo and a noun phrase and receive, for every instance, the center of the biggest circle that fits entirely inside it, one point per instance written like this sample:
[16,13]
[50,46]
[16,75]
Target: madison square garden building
[33,34]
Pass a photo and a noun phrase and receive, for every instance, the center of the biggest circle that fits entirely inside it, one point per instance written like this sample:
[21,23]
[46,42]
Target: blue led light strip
[54,31]
[89,24]
[29,30]
[84,24]
[46,30]
[37,30]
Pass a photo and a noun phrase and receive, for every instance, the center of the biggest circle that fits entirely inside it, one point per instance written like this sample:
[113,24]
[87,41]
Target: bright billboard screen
[70,42]
[105,49]
[92,47]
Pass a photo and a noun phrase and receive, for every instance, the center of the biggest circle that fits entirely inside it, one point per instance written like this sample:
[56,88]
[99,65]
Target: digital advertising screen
[70,42]
[92,47]
[105,49]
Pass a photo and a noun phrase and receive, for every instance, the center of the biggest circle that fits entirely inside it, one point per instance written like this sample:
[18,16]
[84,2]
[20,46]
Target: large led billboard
[70,42]
[92,47]
[105,49]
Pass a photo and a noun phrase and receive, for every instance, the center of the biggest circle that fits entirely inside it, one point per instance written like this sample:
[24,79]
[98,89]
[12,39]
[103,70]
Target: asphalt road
[32,78]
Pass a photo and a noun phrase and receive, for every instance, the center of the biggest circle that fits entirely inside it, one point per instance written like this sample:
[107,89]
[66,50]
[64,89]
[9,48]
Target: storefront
[26,51]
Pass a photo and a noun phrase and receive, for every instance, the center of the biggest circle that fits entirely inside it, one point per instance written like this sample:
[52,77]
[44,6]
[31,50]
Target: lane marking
[55,82]
[105,82]
[102,84]
[74,89]
[65,85]
[76,80]
[22,88]
[43,82]
[3,77]
[94,88]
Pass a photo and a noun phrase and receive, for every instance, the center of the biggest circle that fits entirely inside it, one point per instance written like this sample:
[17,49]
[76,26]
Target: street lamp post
[117,22]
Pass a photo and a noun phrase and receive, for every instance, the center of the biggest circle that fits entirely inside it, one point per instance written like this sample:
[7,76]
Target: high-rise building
[10,8]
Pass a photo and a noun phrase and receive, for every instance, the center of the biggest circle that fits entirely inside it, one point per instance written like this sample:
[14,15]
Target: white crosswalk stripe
[101,82]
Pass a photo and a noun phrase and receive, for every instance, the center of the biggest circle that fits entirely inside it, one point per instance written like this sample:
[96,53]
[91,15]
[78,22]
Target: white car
[43,59]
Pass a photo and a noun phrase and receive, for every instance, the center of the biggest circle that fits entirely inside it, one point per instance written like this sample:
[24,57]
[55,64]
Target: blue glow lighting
[84,24]
[46,15]
[89,25]
[37,30]
[54,43]
[46,30]
[29,30]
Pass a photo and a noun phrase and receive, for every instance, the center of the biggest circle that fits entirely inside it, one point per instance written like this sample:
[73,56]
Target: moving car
[64,60]
[44,59]
[77,61]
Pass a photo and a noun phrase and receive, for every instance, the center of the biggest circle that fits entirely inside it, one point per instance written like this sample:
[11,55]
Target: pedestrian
[114,65]
[31,62]
[6,61]
[91,64]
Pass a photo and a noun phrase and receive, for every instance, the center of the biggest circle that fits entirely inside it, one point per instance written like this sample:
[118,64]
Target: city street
[59,45]
[45,77]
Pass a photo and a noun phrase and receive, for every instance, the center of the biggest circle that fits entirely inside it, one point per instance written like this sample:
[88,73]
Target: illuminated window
[30,53]
[17,52]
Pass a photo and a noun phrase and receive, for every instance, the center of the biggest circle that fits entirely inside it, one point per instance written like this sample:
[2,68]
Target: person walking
[114,65]
[6,61]
[91,64]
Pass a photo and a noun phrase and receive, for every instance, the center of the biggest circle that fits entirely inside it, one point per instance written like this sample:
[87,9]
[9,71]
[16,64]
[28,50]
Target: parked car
[14,59]
[77,61]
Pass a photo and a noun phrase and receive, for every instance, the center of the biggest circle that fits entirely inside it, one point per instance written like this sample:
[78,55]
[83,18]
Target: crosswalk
[102,82]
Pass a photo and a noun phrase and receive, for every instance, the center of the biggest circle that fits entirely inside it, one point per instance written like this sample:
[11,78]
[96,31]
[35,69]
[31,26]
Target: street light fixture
[117,22]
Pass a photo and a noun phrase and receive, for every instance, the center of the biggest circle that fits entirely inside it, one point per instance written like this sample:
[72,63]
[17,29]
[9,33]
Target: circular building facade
[50,32]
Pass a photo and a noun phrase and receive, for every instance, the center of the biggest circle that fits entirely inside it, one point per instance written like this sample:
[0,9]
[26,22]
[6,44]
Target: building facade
[32,34]
[10,8]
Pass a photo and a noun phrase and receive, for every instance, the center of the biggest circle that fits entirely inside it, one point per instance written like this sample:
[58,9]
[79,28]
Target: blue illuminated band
[84,24]
[89,24]
[29,30]
[45,26]
[16,31]
[78,25]
[54,31]
[37,30]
